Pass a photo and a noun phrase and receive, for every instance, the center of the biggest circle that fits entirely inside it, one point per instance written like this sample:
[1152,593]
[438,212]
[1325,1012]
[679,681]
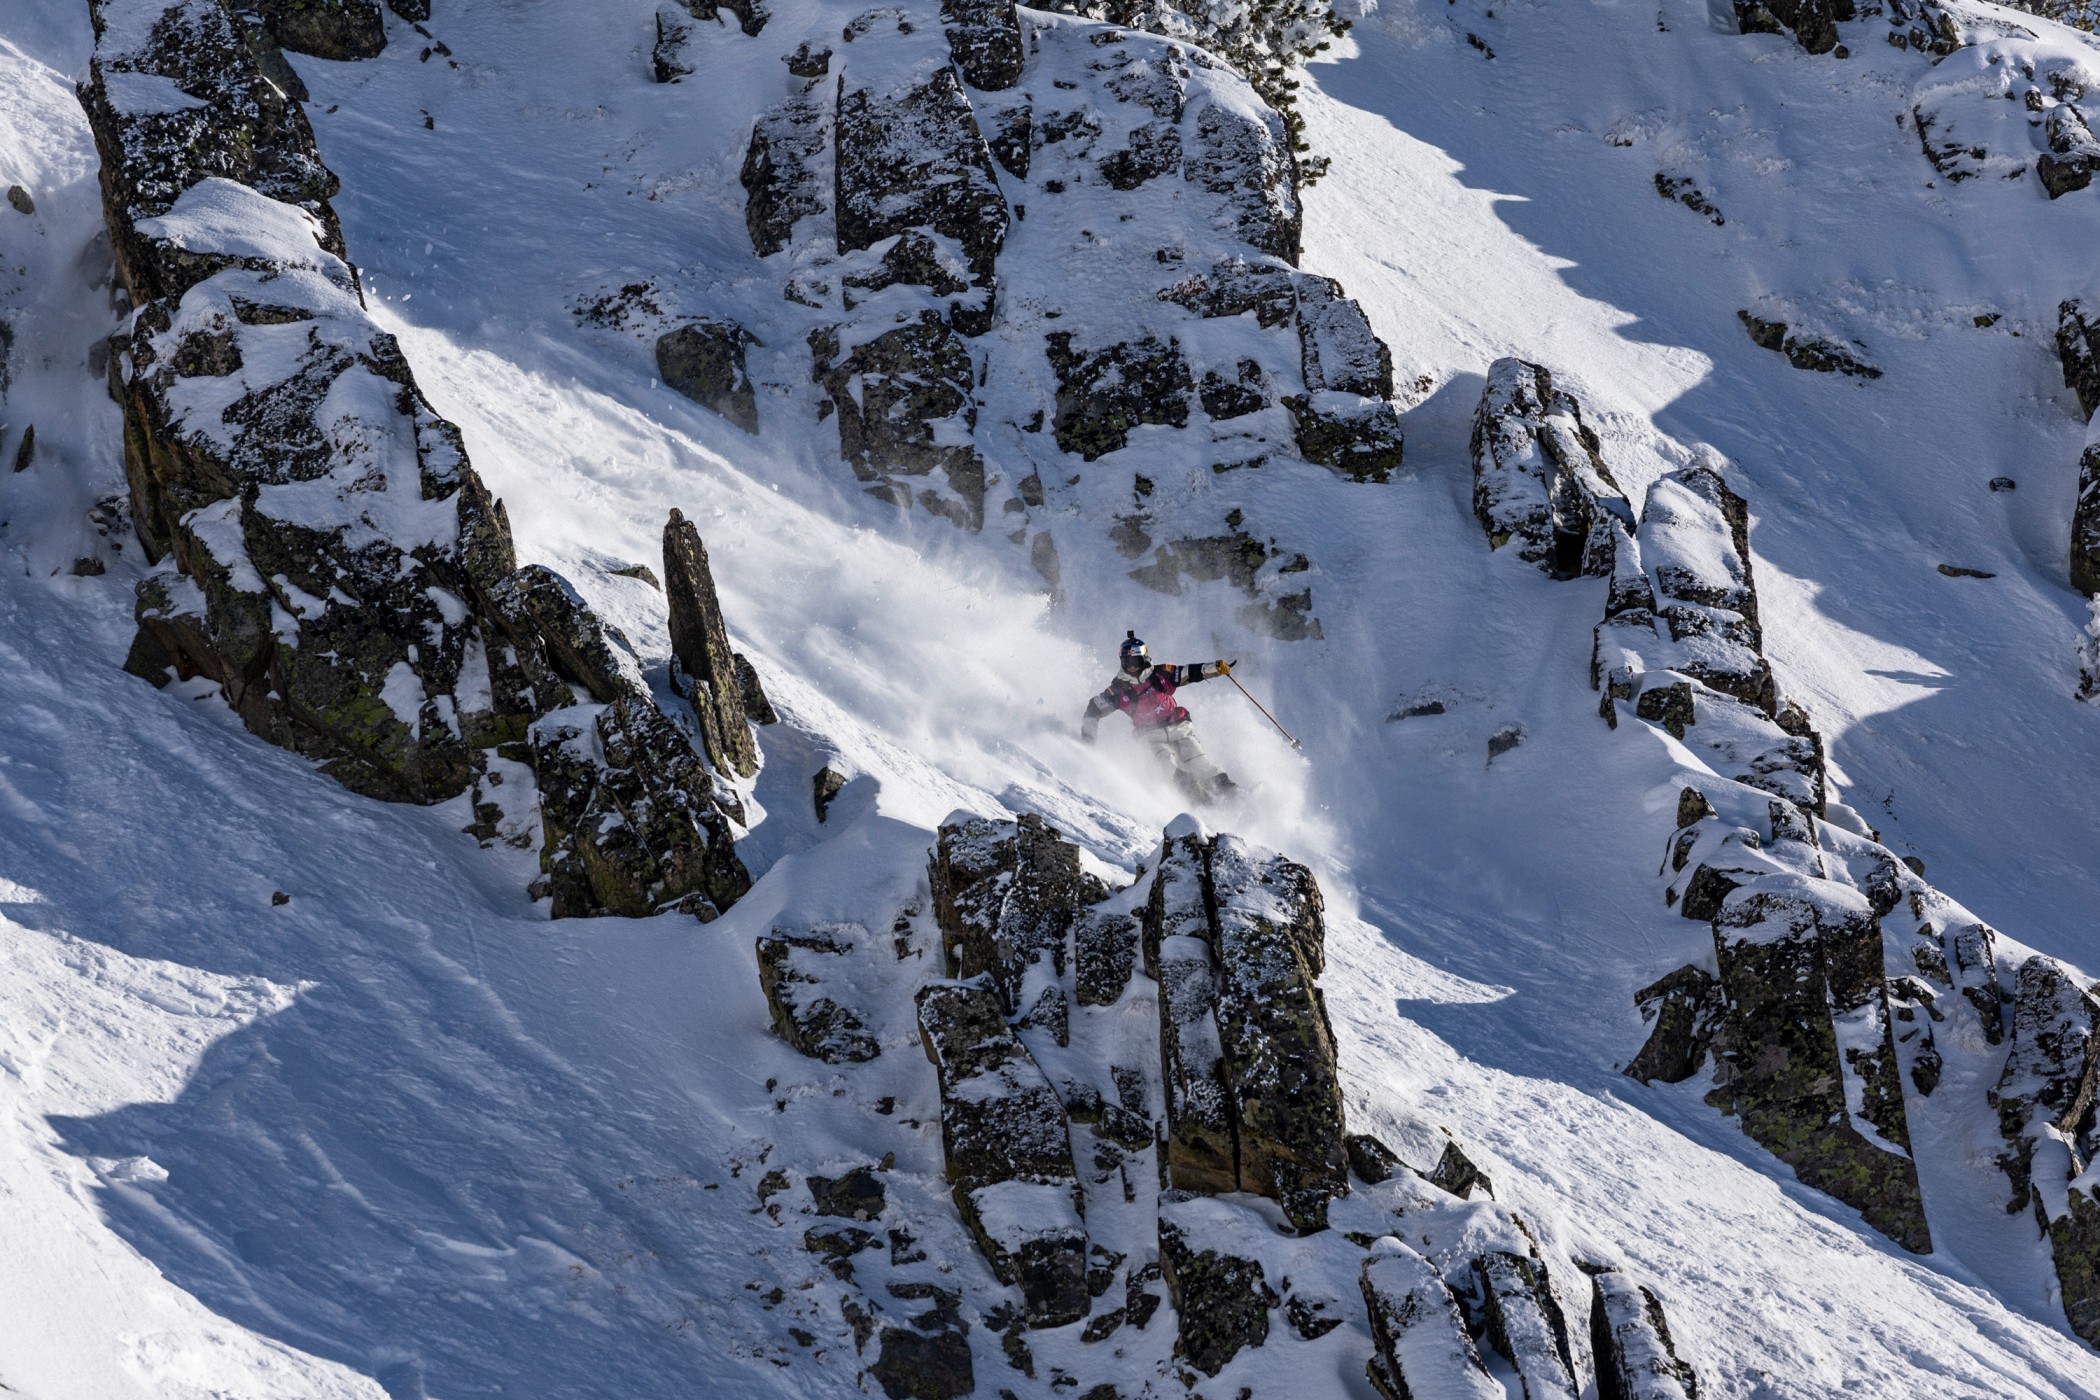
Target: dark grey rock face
[1371,1159]
[2052,1073]
[1362,440]
[337,29]
[700,643]
[1004,895]
[1253,1096]
[2085,524]
[783,172]
[632,823]
[2073,154]
[705,362]
[984,36]
[1424,1350]
[1104,393]
[1631,1346]
[886,141]
[751,15]
[1247,159]
[1009,1151]
[1791,960]
[1539,475]
[799,973]
[1222,1301]
[2078,346]
[1104,948]
[1681,1007]
[913,383]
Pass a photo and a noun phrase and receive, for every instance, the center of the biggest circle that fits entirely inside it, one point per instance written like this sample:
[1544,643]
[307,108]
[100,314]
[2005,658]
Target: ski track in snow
[404,1135]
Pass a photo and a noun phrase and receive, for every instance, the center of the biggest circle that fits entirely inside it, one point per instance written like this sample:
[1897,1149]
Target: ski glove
[1223,668]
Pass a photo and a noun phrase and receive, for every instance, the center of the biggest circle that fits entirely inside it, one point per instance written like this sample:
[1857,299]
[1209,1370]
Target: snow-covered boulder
[2078,347]
[2073,154]
[1009,1151]
[1525,1323]
[1681,1007]
[801,975]
[1539,475]
[783,176]
[1105,391]
[1424,1351]
[1631,1345]
[1004,895]
[2052,1072]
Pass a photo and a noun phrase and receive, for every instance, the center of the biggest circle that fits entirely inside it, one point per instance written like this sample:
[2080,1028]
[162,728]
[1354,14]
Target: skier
[1145,692]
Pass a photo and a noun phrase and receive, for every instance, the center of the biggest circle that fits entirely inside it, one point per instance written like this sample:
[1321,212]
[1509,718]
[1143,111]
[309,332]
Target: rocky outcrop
[1804,350]
[1526,1325]
[783,174]
[2073,154]
[985,38]
[1630,1343]
[337,29]
[887,139]
[1104,393]
[930,1358]
[914,414]
[1246,158]
[1009,1151]
[707,671]
[1253,1096]
[1424,1350]
[1808,1030]
[2078,347]
[799,972]
[1683,597]
[705,362]
[1681,1007]
[1222,1300]
[332,560]
[1539,475]
[632,823]
[751,15]
[1813,23]
[2085,522]
[1004,895]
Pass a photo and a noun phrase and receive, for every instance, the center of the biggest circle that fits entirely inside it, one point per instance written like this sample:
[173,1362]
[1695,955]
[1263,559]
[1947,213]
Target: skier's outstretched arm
[1189,672]
[1100,705]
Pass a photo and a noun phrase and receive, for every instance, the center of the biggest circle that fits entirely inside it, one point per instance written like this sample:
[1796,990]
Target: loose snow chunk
[404,694]
[221,216]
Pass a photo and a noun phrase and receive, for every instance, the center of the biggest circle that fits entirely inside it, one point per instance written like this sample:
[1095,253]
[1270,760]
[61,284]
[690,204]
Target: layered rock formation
[332,561]
[1842,985]
[927,334]
[1539,477]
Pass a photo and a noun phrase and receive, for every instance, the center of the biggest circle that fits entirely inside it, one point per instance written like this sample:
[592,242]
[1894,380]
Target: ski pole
[1264,711]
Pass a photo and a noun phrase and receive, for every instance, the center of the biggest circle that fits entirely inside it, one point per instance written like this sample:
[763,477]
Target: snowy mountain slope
[913,656]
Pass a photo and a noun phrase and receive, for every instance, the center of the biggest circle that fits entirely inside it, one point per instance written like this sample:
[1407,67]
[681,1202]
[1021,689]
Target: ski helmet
[1135,657]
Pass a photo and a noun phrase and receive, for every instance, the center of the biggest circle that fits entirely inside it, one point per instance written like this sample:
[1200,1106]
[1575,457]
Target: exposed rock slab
[906,409]
[1009,1151]
[1424,1349]
[1539,475]
[887,140]
[799,972]
[705,362]
[700,644]
[1630,1342]
[1525,1324]
[1221,1299]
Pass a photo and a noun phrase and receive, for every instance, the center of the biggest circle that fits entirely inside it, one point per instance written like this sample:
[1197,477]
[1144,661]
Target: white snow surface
[401,1135]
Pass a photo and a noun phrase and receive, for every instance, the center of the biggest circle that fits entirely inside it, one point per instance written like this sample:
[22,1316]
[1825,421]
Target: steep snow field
[402,1135]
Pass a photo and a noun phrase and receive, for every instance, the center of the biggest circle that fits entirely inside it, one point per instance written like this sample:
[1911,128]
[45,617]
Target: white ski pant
[1177,749]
